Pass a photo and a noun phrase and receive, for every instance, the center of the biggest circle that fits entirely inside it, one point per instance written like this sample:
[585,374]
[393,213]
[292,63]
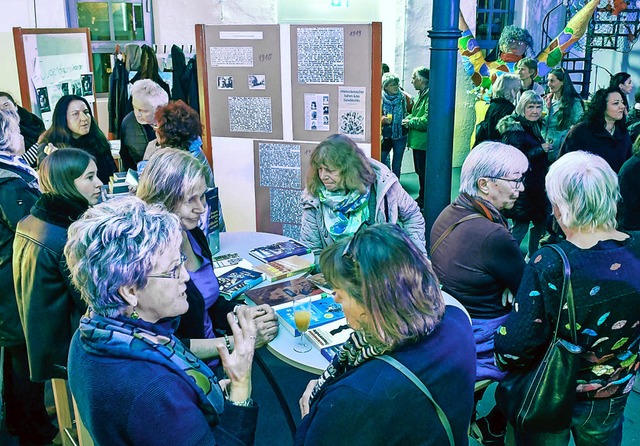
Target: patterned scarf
[20,164]
[126,338]
[354,352]
[344,213]
[483,207]
[394,104]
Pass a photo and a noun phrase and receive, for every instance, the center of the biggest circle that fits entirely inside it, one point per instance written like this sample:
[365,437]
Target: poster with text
[351,112]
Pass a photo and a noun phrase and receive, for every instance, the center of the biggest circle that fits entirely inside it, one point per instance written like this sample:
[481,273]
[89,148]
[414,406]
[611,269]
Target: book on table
[238,280]
[225,260]
[283,292]
[213,219]
[323,311]
[329,338]
[279,250]
[283,268]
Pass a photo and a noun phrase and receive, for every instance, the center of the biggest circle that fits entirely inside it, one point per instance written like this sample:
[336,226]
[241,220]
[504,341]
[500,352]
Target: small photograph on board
[325,120]
[257,81]
[76,87]
[64,88]
[325,99]
[43,99]
[325,110]
[313,106]
[225,82]
[87,84]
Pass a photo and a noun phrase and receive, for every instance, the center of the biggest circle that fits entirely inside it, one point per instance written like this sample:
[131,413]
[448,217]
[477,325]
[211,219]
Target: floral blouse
[606,291]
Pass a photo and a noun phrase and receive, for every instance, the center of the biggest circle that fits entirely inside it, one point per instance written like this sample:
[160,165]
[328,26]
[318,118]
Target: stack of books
[118,184]
[278,294]
[283,268]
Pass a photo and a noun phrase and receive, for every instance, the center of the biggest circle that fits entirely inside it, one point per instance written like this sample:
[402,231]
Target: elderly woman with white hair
[523,130]
[604,262]
[477,259]
[26,415]
[135,382]
[137,128]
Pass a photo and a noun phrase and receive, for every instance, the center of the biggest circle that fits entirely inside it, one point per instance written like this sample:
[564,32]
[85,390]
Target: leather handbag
[541,398]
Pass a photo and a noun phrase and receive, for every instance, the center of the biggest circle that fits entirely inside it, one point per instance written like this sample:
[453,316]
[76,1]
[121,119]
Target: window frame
[109,46]
[483,41]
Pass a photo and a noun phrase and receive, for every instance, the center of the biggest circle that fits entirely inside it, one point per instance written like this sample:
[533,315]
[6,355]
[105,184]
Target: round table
[282,346]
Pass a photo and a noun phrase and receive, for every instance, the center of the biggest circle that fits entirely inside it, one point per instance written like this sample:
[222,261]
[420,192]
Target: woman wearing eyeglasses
[134,382]
[346,188]
[73,125]
[522,130]
[477,259]
[178,180]
[391,299]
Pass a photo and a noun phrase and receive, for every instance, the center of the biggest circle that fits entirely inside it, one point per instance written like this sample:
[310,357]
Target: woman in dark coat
[50,308]
[26,416]
[523,131]
[602,130]
[73,126]
[392,300]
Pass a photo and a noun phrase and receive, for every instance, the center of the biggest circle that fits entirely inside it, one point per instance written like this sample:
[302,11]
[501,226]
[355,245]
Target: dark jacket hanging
[119,103]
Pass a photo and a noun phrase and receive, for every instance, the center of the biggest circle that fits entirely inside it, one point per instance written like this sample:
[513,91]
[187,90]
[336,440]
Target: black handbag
[541,398]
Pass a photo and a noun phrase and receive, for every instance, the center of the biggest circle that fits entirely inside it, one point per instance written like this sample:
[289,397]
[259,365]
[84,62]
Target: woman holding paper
[178,180]
[391,298]
[346,188]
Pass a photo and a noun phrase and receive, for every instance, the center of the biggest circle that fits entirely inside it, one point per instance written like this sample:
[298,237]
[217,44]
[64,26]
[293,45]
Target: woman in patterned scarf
[391,298]
[345,189]
[134,382]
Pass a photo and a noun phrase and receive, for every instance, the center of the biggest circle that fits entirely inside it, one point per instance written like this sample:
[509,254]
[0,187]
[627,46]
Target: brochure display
[53,63]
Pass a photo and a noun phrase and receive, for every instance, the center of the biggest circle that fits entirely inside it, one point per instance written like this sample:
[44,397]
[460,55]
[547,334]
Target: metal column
[442,94]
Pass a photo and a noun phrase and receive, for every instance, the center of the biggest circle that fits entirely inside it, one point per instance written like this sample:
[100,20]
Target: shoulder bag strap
[567,295]
[450,229]
[409,374]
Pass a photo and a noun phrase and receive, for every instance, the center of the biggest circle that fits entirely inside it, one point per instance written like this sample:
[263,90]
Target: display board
[272,92]
[330,83]
[53,63]
[280,172]
[245,88]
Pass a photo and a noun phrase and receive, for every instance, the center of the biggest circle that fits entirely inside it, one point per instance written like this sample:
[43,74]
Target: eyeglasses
[516,181]
[174,273]
[347,249]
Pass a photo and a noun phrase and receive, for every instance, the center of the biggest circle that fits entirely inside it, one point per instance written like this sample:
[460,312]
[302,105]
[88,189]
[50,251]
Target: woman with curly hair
[345,189]
[602,131]
[178,126]
[73,126]
[565,109]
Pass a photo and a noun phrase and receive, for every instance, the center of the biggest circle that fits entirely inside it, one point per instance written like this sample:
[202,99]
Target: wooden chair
[70,435]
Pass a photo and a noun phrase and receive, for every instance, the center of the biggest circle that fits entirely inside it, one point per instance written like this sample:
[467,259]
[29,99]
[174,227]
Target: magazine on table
[279,250]
[283,292]
[238,280]
[323,311]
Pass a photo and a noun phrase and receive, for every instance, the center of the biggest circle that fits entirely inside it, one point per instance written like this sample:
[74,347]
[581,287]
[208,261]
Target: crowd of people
[119,296]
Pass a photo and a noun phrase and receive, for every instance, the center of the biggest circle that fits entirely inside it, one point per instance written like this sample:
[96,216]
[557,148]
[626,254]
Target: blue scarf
[343,212]
[393,104]
[128,338]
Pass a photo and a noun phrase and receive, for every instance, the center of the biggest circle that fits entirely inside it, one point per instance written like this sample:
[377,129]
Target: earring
[134,314]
